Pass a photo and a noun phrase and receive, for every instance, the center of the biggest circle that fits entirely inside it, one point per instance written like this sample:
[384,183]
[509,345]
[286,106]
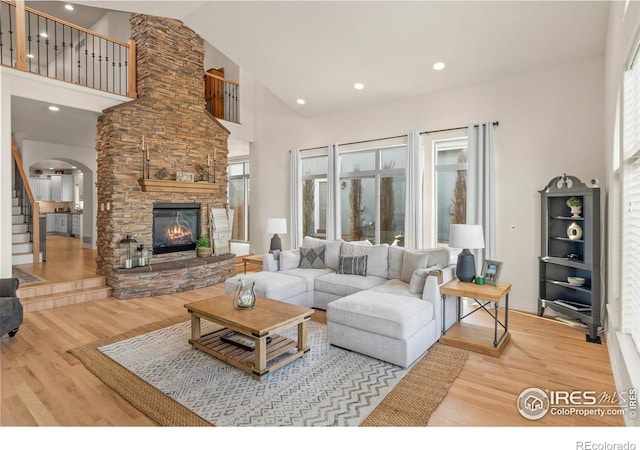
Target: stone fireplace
[141,146]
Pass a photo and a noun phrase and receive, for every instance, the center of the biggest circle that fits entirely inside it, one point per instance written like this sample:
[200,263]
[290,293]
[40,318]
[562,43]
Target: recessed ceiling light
[29,55]
[50,168]
[53,108]
[301,101]
[44,34]
[438,66]
[359,86]
[68,7]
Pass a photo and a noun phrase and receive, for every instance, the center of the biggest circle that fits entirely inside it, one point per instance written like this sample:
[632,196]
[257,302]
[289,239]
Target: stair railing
[29,207]
[222,97]
[35,42]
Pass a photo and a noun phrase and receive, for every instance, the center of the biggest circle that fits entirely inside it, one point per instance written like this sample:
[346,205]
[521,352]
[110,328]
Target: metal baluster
[64,47]
[55,46]
[10,38]
[1,41]
[38,41]
[93,61]
[86,59]
[46,41]
[100,60]
[29,39]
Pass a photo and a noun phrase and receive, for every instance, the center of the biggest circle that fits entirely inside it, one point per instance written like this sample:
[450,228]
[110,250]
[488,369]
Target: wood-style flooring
[41,384]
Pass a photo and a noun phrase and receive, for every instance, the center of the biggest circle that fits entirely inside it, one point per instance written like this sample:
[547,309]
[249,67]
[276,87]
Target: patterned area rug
[177,386]
[25,277]
[329,387]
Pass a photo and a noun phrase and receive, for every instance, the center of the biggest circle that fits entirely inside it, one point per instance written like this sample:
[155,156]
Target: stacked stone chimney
[170,114]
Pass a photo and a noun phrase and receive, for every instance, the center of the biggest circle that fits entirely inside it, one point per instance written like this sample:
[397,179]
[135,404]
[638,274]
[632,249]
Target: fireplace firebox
[176,227]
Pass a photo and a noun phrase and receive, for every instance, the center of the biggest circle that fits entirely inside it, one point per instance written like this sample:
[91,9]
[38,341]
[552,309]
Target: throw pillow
[412,260]
[419,279]
[289,259]
[332,252]
[312,258]
[353,265]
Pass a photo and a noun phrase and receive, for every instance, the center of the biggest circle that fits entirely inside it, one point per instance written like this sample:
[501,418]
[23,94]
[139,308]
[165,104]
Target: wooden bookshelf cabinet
[571,247]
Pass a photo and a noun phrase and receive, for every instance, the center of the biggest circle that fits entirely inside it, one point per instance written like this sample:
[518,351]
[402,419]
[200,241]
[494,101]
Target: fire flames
[179,234]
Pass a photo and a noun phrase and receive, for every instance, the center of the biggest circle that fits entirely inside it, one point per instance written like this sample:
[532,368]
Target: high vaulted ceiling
[318,50]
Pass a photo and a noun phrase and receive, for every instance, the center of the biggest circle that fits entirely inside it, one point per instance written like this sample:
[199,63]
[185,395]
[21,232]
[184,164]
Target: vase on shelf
[574,231]
[576,212]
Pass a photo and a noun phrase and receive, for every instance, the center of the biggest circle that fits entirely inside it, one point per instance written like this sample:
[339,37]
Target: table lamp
[275,226]
[466,237]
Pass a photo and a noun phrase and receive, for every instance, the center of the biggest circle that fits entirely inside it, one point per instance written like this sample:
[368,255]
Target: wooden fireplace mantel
[148,185]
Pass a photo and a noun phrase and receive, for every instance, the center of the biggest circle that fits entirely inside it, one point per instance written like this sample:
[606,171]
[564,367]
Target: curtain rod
[495,124]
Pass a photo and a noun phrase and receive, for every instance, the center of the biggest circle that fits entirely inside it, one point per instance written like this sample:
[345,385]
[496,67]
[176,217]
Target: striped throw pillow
[353,265]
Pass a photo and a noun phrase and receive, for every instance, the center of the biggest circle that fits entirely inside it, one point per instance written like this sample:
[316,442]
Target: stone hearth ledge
[171,276]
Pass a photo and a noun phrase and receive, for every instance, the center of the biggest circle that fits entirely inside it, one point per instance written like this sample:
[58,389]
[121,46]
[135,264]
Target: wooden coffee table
[259,324]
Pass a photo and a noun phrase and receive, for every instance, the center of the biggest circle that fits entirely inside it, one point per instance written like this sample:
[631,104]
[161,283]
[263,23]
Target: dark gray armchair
[10,307]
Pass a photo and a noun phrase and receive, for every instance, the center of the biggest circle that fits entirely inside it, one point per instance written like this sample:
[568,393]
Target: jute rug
[24,277]
[381,395]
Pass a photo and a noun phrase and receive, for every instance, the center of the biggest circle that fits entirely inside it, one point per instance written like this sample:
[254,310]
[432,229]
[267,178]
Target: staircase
[22,245]
[46,296]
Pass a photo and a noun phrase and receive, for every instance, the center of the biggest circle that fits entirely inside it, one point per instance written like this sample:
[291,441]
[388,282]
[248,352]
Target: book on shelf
[575,306]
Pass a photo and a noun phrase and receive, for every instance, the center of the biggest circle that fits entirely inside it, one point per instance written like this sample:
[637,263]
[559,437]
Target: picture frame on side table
[491,271]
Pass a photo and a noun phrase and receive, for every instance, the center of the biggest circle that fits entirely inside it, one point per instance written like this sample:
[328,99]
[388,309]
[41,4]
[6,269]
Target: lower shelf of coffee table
[237,356]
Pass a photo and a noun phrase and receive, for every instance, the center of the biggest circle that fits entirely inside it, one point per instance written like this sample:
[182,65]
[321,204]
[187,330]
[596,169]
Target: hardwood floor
[41,384]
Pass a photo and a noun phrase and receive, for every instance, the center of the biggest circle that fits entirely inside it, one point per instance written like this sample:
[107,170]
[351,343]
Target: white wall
[550,123]
[277,129]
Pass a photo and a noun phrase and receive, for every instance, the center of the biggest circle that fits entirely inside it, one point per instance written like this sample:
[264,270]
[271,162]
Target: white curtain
[296,202]
[481,192]
[413,225]
[334,228]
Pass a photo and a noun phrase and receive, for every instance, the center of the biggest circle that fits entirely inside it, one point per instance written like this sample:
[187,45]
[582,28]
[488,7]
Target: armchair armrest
[9,287]
[269,263]
[431,293]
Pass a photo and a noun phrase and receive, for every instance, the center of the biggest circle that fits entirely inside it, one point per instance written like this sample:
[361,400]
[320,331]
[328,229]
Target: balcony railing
[38,43]
[222,97]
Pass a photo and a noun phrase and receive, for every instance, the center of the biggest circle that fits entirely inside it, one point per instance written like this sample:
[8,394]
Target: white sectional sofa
[381,300]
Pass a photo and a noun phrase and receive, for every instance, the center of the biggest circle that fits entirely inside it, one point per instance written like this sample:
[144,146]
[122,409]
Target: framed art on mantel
[491,271]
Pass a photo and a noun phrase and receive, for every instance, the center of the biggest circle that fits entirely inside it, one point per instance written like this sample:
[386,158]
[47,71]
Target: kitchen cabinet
[51,223]
[76,225]
[62,223]
[62,188]
[40,188]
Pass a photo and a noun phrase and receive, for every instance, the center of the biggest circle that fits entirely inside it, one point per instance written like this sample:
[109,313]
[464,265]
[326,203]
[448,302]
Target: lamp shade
[466,236]
[276,225]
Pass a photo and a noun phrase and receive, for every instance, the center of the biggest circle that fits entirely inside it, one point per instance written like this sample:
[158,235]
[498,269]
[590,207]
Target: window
[314,196]
[630,165]
[373,190]
[239,200]
[450,167]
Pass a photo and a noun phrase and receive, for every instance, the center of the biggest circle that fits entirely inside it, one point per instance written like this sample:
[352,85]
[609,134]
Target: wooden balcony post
[132,88]
[21,38]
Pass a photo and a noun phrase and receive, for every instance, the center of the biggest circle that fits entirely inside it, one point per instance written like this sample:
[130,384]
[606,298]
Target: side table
[252,259]
[471,336]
